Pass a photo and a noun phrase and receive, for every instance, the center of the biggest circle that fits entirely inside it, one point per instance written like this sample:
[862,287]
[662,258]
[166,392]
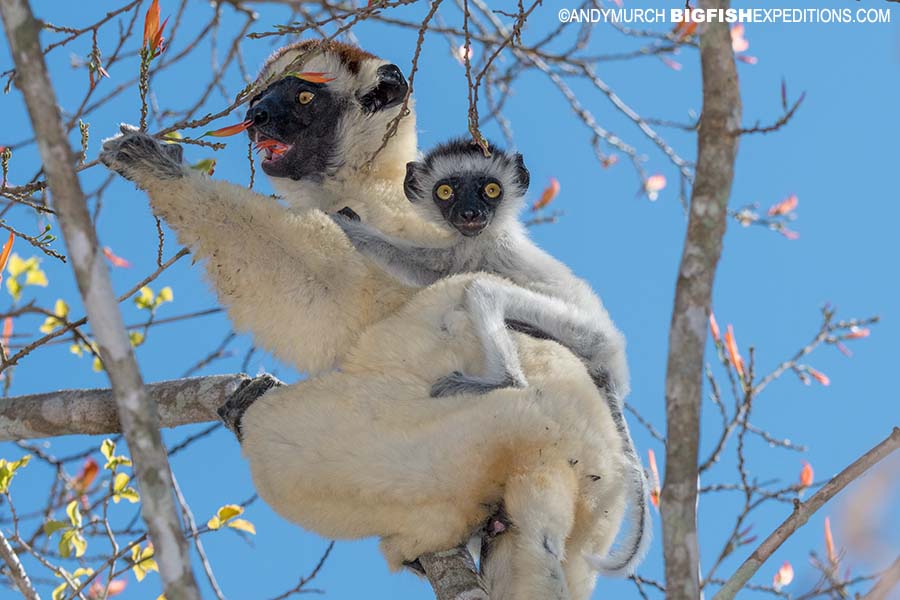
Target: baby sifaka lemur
[478,197]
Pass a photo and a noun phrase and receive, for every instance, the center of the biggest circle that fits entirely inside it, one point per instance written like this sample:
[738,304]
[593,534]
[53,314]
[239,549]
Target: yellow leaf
[14,288]
[97,365]
[74,513]
[165,295]
[214,523]
[36,277]
[107,448]
[129,494]
[79,543]
[59,592]
[16,265]
[242,525]
[60,308]
[50,323]
[120,482]
[136,338]
[76,350]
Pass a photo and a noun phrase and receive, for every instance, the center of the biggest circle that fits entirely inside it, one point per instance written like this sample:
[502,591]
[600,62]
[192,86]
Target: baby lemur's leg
[486,305]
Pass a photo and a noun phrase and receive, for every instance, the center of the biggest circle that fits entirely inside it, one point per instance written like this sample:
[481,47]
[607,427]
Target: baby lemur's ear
[412,184]
[522,174]
[389,91]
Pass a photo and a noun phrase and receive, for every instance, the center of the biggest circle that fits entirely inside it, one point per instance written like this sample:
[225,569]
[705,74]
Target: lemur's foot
[134,155]
[237,404]
[349,213]
[459,383]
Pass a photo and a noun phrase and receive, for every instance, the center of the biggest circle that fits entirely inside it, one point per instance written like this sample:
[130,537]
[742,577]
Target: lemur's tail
[623,560]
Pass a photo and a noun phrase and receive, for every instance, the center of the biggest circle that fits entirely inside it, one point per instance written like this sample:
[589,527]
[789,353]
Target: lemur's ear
[522,174]
[411,184]
[389,91]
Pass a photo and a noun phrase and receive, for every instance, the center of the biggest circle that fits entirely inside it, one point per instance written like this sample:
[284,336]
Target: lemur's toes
[237,404]
[349,213]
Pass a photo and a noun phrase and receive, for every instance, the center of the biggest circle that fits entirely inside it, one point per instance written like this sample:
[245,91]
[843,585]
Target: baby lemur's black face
[467,189]
[468,201]
[296,122]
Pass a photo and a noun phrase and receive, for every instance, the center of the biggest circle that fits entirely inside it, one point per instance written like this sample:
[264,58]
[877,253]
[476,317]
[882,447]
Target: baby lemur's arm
[413,265]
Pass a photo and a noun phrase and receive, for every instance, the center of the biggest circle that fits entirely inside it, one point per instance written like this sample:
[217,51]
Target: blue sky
[838,155]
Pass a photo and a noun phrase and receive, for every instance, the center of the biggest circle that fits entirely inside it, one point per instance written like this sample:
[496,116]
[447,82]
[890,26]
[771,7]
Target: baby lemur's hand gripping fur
[478,198]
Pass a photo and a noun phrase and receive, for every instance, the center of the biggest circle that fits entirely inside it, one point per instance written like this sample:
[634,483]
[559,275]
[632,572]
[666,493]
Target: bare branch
[16,571]
[888,581]
[804,510]
[453,575]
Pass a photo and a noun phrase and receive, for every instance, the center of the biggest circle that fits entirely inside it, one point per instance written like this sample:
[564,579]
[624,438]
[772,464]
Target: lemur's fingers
[458,383]
[175,152]
[135,155]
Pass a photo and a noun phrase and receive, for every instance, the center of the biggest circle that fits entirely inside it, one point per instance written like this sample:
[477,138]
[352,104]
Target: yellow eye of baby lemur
[492,190]
[305,97]
[444,191]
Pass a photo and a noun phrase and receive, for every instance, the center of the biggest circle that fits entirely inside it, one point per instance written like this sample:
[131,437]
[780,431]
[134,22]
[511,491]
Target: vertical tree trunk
[717,149]
[137,411]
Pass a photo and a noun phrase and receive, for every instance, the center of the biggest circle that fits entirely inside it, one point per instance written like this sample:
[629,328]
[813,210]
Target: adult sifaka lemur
[364,451]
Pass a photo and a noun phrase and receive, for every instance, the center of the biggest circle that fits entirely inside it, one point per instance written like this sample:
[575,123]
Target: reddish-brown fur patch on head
[349,55]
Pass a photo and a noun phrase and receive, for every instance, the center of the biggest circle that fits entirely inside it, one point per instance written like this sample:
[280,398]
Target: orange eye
[492,190]
[305,97]
[444,192]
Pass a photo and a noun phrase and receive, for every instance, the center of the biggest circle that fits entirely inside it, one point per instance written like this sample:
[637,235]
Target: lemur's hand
[348,221]
[349,213]
[138,157]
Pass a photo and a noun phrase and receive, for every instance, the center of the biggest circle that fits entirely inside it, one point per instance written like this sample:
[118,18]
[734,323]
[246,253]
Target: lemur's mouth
[275,150]
[470,228]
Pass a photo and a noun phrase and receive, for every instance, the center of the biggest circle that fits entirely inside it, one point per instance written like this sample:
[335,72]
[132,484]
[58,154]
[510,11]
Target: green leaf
[120,482]
[52,526]
[8,470]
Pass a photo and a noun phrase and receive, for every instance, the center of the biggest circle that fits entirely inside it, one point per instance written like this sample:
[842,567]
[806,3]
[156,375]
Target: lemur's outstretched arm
[256,250]
[411,264]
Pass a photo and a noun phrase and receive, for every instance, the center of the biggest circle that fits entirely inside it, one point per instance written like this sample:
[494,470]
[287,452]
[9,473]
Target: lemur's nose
[469,214]
[258,114]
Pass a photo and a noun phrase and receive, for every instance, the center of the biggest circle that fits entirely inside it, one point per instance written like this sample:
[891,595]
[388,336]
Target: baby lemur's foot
[459,383]
[237,404]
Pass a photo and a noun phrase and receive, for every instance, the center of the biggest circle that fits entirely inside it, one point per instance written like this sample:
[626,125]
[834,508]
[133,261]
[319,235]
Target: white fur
[364,451]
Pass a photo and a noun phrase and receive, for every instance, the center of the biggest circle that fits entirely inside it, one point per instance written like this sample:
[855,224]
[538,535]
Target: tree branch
[136,411]
[804,510]
[93,412]
[888,581]
[16,571]
[453,575]
[717,148]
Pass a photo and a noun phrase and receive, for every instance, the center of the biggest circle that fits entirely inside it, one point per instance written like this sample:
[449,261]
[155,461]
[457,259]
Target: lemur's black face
[295,122]
[468,201]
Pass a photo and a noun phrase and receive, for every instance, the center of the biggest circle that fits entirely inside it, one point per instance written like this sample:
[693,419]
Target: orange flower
[230,130]
[829,544]
[785,206]
[7,331]
[547,195]
[153,31]
[117,261]
[818,376]
[654,185]
[654,479]
[857,333]
[312,76]
[277,148]
[116,587]
[733,354]
[86,476]
[783,577]
[806,475]
[4,253]
[714,326]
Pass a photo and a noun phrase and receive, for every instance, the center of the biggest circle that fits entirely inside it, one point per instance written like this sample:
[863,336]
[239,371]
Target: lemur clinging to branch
[291,278]
[478,198]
